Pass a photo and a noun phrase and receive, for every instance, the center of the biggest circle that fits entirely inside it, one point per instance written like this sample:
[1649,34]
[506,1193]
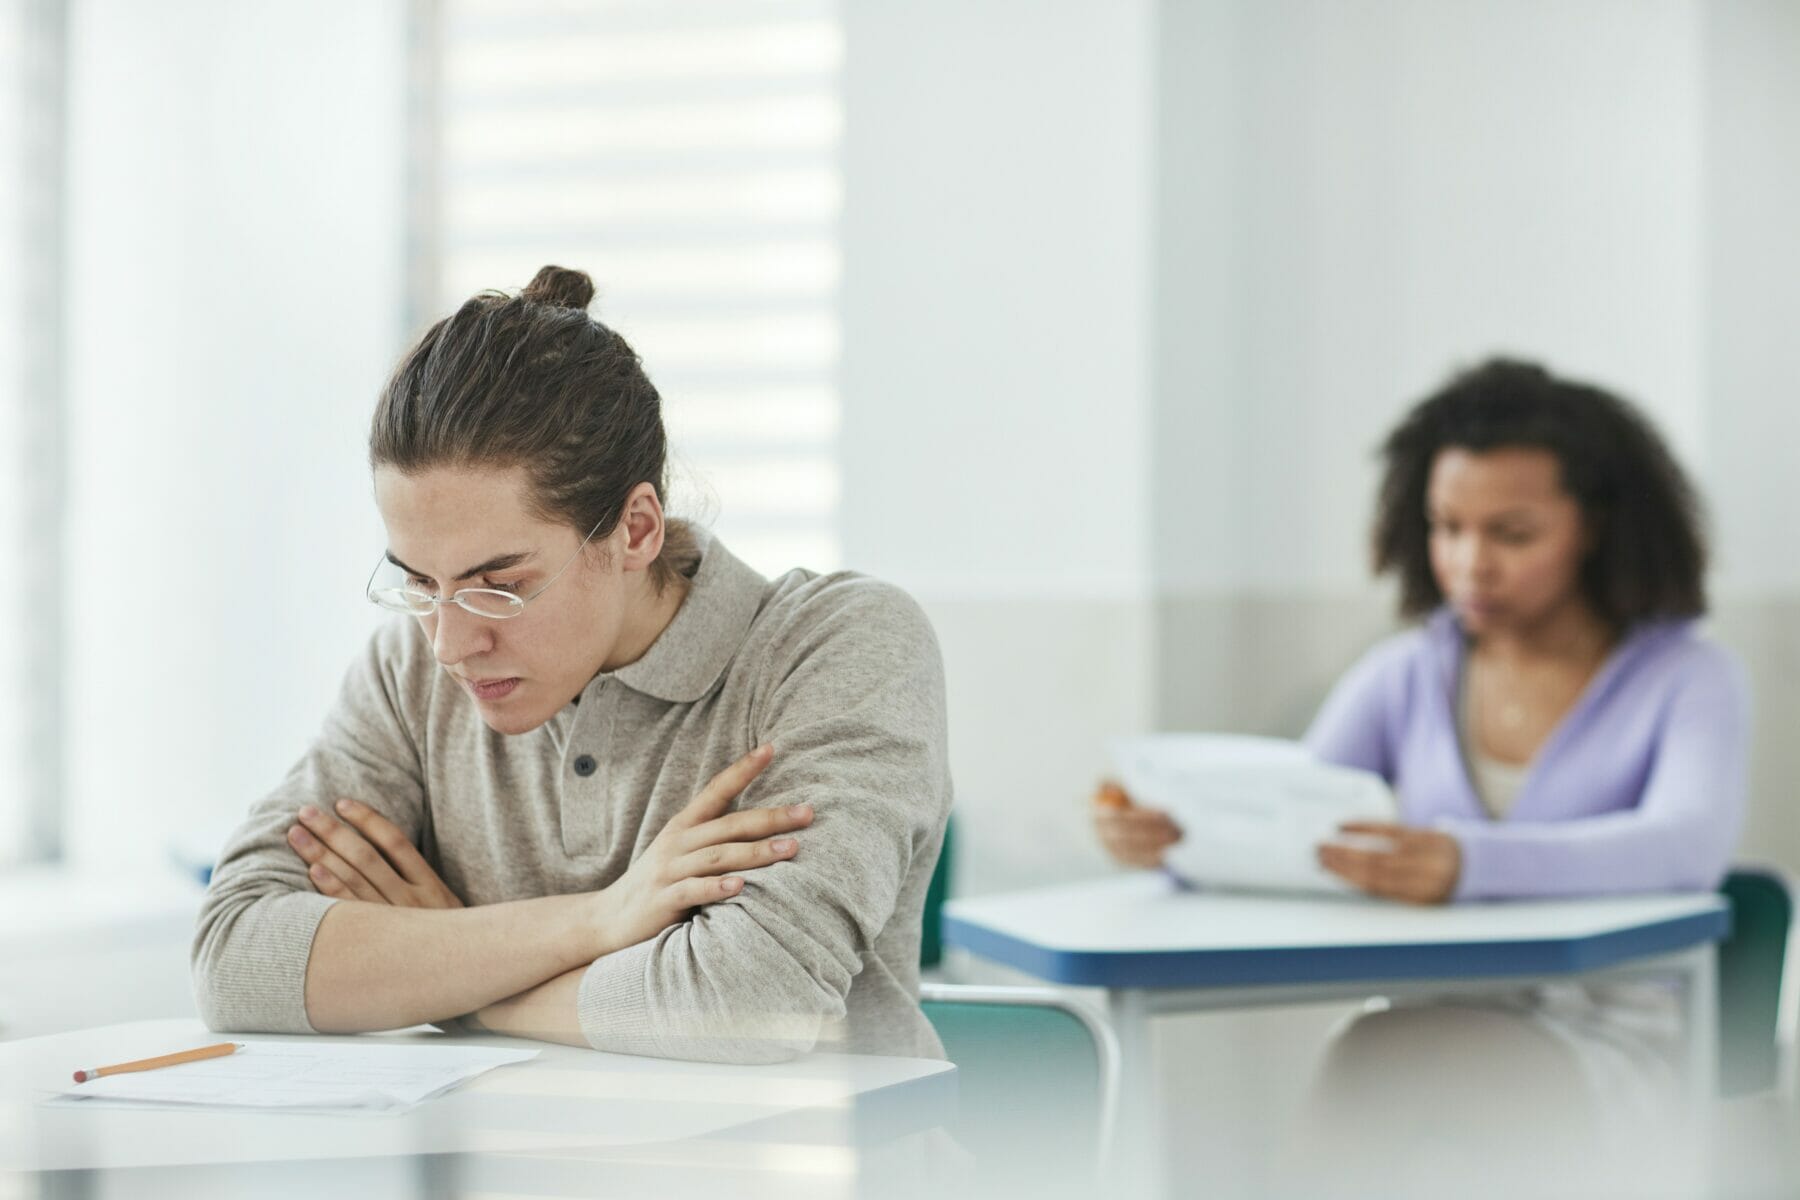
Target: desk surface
[1144,930]
[566,1098]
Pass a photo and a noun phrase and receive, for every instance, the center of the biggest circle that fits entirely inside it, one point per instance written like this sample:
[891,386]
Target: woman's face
[459,527]
[1507,541]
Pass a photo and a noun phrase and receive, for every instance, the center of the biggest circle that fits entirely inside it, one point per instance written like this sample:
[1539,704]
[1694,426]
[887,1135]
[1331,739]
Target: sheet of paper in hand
[1252,810]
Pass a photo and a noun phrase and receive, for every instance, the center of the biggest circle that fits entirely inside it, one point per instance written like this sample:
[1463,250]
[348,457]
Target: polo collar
[691,654]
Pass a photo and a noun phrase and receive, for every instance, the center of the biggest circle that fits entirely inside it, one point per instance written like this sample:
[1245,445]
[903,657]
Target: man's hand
[366,857]
[1419,866]
[690,863]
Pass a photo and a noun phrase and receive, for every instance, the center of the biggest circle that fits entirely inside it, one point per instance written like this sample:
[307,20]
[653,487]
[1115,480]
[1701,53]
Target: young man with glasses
[613,789]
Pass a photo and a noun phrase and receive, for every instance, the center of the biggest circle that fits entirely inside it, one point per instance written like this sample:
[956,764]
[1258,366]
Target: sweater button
[585,765]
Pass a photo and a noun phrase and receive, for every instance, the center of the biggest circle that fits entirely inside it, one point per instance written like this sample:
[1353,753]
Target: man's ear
[644,527]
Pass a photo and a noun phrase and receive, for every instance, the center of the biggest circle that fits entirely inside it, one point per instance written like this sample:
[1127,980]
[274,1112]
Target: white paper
[302,1076]
[1252,811]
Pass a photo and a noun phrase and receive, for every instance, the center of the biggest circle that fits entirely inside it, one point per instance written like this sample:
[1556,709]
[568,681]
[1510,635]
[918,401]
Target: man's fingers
[704,889]
[735,856]
[388,838]
[355,850]
[328,884]
[330,867]
[716,797]
[749,825]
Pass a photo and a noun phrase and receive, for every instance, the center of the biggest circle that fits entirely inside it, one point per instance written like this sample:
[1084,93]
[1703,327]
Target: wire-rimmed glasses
[493,603]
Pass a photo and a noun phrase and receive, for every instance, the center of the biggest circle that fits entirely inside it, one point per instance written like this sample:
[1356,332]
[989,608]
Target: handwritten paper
[302,1076]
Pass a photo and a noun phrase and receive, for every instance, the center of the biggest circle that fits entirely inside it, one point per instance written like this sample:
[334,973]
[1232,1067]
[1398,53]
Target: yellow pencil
[164,1060]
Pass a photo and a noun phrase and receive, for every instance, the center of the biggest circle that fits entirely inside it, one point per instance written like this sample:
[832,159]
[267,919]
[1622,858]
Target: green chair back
[931,940]
[1751,962]
[1029,1095]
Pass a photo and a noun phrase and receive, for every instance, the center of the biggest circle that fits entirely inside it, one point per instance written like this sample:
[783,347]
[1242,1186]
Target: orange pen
[1111,795]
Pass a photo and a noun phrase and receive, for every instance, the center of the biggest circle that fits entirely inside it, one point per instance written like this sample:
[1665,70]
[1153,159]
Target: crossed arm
[400,948]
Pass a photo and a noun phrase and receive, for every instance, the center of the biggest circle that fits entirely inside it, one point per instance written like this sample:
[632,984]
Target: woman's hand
[1419,866]
[366,857]
[690,862]
[1133,836]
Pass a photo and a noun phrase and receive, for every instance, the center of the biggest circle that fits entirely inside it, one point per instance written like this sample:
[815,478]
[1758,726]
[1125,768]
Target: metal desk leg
[1696,970]
[1134,1155]
[1700,1022]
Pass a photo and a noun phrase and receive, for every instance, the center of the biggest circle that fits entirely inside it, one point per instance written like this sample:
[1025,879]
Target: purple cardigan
[1639,789]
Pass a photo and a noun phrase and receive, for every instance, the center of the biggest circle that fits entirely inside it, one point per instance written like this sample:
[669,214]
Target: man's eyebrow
[499,563]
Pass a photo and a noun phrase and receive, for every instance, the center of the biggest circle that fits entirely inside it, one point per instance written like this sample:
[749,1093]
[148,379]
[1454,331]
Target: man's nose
[458,634]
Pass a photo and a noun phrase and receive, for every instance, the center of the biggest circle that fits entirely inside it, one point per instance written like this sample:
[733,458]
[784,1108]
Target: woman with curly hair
[1557,724]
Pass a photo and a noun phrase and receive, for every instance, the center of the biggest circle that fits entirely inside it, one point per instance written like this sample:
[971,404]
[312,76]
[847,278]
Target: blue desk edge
[1336,964]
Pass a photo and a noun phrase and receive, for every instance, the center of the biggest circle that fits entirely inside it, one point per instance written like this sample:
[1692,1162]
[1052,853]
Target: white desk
[571,1121]
[1159,948]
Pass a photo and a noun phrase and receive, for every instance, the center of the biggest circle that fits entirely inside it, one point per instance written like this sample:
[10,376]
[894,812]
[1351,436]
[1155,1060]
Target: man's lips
[492,688]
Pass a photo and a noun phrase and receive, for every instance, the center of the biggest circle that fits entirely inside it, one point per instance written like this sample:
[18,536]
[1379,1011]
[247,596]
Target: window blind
[686,155]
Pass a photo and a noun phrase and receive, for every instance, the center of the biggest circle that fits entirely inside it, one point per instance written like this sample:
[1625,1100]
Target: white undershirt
[1497,784]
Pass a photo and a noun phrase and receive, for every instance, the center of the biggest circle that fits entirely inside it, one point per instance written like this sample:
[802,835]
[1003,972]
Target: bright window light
[687,157]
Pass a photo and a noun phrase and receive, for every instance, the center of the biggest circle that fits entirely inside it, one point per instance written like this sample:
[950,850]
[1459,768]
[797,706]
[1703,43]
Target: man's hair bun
[561,287]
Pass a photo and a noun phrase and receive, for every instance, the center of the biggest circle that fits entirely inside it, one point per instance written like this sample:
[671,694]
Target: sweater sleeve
[261,911]
[855,710]
[1352,728]
[1680,835]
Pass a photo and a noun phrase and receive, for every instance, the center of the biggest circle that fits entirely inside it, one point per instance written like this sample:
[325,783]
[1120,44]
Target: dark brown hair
[532,381]
[1649,555]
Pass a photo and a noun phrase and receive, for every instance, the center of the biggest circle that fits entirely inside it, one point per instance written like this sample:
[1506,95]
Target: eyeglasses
[483,602]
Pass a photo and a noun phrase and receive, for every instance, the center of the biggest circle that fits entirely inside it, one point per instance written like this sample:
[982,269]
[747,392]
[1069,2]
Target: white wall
[997,190]
[995,437]
[1353,198]
[1751,68]
[235,298]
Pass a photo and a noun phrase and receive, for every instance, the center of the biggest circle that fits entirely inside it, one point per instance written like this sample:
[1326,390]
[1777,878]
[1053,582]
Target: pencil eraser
[81,1077]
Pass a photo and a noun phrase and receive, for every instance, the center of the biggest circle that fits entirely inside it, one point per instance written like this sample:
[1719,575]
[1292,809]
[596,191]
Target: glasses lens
[488,603]
[405,600]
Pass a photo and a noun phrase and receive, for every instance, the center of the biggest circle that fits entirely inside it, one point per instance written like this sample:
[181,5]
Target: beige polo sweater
[840,672]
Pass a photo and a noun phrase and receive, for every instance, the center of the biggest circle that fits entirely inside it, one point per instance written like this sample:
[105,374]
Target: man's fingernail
[345,806]
[800,811]
[299,836]
[782,845]
[308,813]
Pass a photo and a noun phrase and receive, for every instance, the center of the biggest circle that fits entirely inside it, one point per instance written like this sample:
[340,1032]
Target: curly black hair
[1649,556]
